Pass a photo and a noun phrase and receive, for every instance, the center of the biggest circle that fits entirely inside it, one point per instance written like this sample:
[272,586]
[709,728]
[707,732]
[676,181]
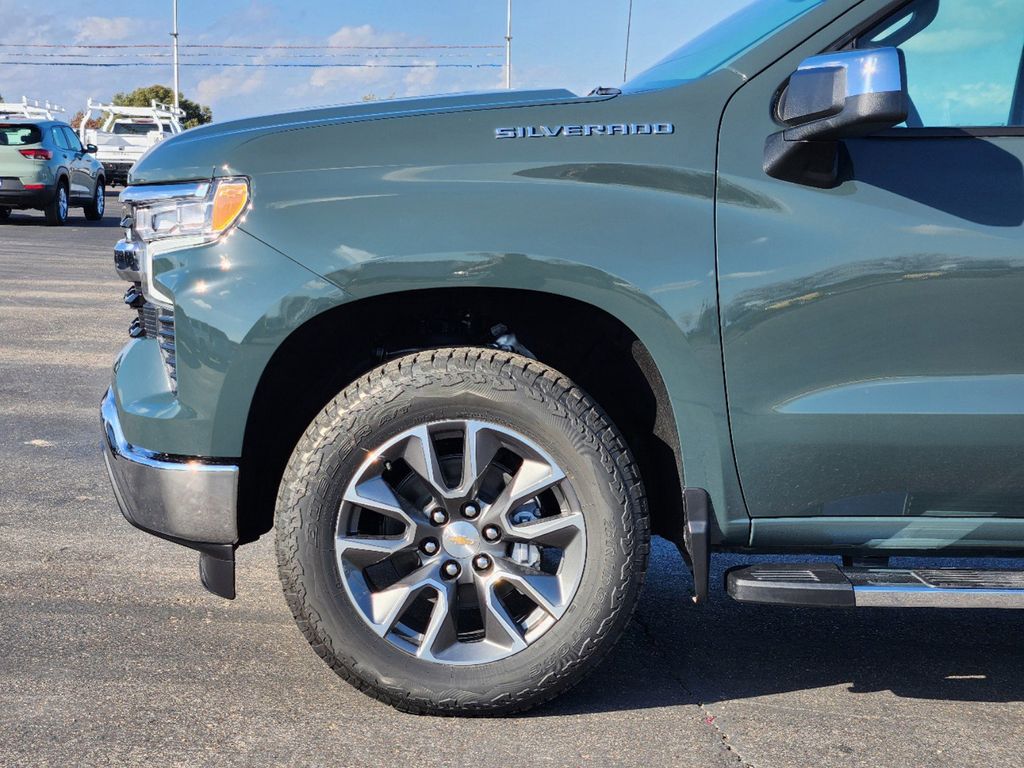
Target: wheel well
[584,342]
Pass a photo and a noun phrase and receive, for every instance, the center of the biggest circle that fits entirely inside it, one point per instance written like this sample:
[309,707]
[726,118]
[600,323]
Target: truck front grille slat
[158,323]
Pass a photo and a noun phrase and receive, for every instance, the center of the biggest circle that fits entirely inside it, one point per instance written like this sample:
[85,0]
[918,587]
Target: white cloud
[374,71]
[379,72]
[107,29]
[420,81]
[228,82]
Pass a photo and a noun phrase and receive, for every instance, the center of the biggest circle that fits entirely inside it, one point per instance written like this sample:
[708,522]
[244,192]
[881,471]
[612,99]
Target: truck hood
[200,153]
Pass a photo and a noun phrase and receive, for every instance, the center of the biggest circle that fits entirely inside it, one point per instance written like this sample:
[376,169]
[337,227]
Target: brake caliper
[526,554]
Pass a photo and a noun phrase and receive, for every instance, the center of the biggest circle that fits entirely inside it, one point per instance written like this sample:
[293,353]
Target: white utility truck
[126,133]
[33,109]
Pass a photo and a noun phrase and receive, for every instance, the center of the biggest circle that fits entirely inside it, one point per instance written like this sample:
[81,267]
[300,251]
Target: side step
[825,584]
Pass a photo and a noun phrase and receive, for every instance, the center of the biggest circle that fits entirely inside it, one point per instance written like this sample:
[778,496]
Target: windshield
[721,43]
[19,135]
[135,129]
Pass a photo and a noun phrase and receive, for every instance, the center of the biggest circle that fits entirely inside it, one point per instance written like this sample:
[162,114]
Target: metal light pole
[174,35]
[629,27]
[508,48]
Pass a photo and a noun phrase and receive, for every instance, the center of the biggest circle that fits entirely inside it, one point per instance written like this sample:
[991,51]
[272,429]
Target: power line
[256,47]
[281,65]
[39,55]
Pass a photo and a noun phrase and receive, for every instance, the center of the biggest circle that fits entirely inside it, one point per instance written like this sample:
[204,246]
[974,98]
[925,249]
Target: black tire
[5,214]
[502,388]
[56,212]
[94,210]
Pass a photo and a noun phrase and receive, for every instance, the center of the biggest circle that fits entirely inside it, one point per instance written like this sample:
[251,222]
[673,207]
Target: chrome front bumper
[192,501]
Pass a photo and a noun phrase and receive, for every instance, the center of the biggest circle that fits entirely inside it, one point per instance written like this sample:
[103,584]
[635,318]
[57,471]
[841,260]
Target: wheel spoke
[376,495]
[480,445]
[499,628]
[363,551]
[556,530]
[441,631]
[544,589]
[420,455]
[533,478]
[389,604]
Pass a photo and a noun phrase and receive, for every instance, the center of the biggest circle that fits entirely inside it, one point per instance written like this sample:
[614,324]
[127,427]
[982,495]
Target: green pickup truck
[466,354]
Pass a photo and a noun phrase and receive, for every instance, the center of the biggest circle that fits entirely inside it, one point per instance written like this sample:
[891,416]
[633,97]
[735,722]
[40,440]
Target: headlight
[161,218]
[190,214]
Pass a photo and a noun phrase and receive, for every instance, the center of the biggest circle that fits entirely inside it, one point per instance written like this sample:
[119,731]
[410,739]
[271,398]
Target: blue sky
[573,44]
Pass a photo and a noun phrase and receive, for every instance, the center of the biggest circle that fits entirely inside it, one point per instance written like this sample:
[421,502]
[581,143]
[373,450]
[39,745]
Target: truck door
[873,333]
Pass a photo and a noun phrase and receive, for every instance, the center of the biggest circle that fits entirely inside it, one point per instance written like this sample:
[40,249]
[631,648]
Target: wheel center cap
[461,539]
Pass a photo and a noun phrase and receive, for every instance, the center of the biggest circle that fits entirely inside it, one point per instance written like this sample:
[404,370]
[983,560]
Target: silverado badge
[556,131]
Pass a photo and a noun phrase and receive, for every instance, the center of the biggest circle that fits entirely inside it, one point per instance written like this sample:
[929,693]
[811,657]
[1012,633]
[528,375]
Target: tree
[195,114]
[77,120]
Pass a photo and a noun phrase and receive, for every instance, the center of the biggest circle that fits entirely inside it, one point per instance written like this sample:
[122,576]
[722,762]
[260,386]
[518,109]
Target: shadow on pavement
[33,218]
[676,653]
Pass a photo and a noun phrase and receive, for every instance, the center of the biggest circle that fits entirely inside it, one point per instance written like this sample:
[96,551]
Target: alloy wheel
[460,542]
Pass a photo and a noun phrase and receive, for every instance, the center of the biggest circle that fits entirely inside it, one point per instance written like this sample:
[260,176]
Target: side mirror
[90,149]
[831,97]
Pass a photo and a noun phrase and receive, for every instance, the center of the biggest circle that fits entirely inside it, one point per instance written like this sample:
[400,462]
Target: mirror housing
[842,95]
[90,149]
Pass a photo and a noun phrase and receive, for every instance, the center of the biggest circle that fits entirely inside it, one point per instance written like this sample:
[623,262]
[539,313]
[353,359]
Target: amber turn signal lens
[229,201]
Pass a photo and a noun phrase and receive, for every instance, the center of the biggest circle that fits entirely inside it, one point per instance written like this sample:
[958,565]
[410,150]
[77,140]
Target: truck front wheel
[462,531]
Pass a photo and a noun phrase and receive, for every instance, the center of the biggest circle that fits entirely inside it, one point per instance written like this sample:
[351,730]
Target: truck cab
[466,354]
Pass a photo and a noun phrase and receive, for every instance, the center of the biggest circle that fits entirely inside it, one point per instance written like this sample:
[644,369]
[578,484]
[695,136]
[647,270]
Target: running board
[825,584]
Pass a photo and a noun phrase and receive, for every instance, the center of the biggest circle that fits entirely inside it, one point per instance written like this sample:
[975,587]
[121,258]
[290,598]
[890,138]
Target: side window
[964,60]
[72,139]
[59,138]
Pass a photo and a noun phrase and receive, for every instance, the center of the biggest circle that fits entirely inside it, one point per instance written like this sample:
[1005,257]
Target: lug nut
[470,510]
[492,533]
[450,569]
[439,517]
[430,546]
[481,562]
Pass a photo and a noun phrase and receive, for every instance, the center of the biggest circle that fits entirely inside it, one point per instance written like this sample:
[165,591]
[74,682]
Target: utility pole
[174,35]
[629,27]
[508,48]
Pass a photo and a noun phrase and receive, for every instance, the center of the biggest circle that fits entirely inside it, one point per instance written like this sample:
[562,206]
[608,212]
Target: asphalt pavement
[111,653]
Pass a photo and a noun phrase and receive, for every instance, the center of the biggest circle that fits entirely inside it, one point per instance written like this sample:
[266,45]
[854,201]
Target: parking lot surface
[111,653]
